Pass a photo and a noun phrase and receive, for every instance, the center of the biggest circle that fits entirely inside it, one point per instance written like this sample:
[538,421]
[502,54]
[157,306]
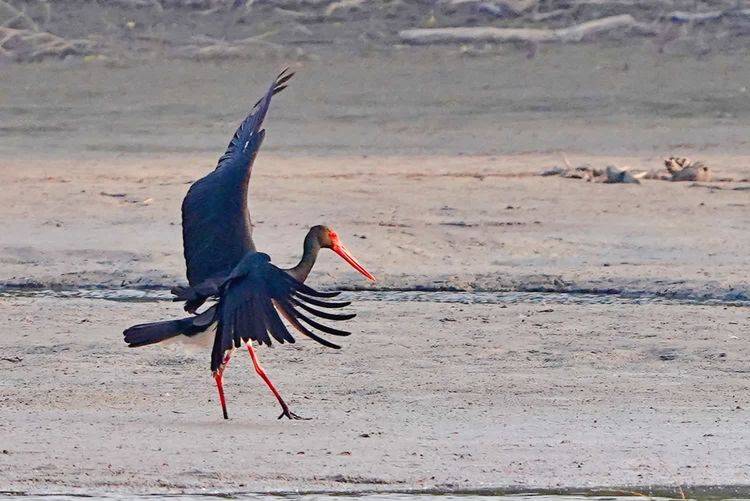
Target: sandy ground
[424,395]
[625,101]
[472,223]
[432,184]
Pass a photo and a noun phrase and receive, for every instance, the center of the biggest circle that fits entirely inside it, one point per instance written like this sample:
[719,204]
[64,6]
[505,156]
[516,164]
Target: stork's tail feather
[145,334]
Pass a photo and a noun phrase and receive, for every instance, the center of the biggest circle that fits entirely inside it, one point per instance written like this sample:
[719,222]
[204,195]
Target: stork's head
[329,239]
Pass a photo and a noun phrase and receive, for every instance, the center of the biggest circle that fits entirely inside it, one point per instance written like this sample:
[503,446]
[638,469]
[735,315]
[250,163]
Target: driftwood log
[704,17]
[574,33]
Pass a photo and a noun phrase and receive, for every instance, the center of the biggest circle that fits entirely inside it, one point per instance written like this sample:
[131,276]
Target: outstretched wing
[250,306]
[216,227]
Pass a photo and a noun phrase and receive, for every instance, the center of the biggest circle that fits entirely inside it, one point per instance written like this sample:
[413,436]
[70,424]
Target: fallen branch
[703,17]
[579,32]
[694,17]
[470,35]
[575,33]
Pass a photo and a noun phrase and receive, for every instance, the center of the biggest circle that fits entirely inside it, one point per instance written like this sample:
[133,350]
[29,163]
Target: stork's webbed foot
[289,414]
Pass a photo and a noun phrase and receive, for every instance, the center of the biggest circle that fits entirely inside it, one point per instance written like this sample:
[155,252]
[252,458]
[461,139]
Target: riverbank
[428,165]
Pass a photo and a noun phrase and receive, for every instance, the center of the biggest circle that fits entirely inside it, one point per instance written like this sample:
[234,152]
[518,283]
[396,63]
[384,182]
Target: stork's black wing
[194,297]
[252,300]
[216,228]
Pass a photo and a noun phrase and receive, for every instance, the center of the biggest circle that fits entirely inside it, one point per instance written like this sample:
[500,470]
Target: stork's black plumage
[250,300]
[216,227]
[250,295]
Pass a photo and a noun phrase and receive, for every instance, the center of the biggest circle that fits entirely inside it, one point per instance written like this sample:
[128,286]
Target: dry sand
[431,187]
[424,395]
[469,223]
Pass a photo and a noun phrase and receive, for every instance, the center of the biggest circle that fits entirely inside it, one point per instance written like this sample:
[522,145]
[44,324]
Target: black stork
[247,292]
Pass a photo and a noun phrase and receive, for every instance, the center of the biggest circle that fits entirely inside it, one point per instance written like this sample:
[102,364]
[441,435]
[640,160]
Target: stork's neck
[309,255]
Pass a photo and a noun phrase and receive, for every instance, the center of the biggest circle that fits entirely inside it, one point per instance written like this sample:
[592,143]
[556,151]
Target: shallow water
[500,298]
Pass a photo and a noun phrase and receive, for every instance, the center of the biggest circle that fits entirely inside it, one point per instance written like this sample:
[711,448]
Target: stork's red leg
[220,386]
[219,378]
[259,370]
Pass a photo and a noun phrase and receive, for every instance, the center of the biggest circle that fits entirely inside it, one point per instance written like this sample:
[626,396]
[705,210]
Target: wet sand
[432,187]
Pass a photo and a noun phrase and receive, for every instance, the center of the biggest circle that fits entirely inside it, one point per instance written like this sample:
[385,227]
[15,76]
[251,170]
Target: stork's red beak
[342,251]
